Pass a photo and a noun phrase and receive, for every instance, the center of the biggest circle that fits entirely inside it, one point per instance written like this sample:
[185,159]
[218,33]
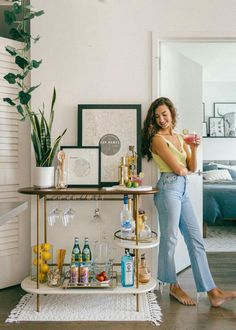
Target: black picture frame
[216,127]
[227,110]
[83,166]
[114,127]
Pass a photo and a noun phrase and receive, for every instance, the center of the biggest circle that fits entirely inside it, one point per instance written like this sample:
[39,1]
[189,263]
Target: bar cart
[79,193]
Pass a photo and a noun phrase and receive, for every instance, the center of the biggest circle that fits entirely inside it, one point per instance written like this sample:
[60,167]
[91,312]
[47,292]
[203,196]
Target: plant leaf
[50,158]
[36,64]
[11,50]
[17,8]
[39,13]
[21,62]
[54,96]
[10,78]
[24,97]
[15,34]
[9,17]
[20,110]
[31,89]
[8,100]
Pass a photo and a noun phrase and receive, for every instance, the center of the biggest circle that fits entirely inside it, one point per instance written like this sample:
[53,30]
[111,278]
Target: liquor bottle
[126,220]
[127,270]
[74,271]
[83,271]
[132,162]
[144,272]
[76,249]
[123,171]
[86,250]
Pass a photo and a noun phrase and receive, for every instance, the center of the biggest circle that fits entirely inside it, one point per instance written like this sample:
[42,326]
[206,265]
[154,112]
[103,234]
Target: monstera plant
[18,16]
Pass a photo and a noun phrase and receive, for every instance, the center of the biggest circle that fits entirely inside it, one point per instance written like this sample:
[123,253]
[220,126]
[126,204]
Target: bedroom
[218,147]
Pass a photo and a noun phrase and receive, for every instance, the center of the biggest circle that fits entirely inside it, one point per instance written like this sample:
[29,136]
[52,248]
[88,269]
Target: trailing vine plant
[18,17]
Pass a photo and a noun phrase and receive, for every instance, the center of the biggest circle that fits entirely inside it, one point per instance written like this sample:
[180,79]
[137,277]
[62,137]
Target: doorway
[195,74]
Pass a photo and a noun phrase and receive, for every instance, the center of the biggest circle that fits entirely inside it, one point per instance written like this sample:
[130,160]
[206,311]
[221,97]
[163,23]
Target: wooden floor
[175,316]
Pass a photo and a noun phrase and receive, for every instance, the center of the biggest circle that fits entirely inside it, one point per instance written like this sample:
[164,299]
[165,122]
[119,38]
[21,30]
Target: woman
[176,160]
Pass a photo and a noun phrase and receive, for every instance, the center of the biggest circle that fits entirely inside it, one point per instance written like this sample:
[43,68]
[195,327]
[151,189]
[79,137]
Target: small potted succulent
[18,16]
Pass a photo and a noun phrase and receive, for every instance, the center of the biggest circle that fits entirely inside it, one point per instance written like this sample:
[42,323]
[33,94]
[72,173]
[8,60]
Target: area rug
[99,307]
[220,239]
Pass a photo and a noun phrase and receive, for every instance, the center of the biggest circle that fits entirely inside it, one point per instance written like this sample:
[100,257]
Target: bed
[219,193]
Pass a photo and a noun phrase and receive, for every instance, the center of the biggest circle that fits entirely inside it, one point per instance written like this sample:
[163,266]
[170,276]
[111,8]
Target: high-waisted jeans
[175,211]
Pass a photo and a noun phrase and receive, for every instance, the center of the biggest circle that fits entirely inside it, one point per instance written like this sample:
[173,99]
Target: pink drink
[190,138]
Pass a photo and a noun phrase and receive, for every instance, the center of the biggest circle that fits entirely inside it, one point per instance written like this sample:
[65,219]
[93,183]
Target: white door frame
[157,40]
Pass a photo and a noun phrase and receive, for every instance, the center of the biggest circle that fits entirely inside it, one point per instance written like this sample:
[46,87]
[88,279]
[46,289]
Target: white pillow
[217,175]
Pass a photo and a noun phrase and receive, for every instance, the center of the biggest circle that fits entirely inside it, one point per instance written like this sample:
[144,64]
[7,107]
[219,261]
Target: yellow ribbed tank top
[179,155]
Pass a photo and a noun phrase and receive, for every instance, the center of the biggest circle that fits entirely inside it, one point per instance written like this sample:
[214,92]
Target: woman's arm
[160,148]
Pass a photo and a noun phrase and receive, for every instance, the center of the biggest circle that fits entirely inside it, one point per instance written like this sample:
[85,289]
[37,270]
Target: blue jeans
[175,211]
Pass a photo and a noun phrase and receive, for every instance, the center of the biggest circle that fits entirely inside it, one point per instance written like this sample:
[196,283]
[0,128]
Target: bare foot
[217,297]
[181,296]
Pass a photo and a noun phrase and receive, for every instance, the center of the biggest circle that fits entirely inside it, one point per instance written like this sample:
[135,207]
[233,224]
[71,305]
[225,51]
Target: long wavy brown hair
[150,126]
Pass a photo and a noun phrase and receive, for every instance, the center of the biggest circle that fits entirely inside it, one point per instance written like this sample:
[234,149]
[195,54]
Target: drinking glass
[68,217]
[53,217]
[97,219]
[190,137]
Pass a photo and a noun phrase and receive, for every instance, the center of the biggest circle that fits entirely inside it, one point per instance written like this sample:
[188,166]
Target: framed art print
[216,125]
[83,166]
[113,127]
[227,111]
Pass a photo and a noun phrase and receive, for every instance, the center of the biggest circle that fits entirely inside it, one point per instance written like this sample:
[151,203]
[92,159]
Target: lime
[128,184]
[135,184]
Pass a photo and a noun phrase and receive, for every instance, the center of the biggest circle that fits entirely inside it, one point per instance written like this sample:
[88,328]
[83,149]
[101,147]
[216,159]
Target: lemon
[35,261]
[141,175]
[46,255]
[44,268]
[46,246]
[35,248]
[42,277]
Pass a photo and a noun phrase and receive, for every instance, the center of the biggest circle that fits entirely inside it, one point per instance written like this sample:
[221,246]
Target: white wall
[100,52]
[218,148]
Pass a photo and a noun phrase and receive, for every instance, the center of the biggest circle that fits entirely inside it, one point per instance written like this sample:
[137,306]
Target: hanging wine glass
[97,219]
[68,215]
[53,217]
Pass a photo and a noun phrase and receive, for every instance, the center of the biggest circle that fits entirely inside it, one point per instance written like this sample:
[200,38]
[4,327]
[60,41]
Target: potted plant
[18,17]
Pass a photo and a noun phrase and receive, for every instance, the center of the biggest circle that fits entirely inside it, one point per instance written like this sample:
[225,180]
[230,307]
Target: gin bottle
[127,270]
[126,220]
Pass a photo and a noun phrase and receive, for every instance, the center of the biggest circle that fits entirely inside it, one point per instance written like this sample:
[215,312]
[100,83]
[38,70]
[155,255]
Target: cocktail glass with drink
[190,137]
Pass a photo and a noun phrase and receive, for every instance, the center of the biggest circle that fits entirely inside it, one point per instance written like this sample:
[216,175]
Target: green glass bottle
[86,250]
[76,249]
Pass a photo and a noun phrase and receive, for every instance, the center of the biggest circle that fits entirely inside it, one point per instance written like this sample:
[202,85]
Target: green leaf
[10,78]
[9,17]
[11,50]
[29,16]
[31,89]
[36,64]
[54,149]
[54,96]
[15,34]
[39,13]
[21,62]
[17,8]
[20,110]
[8,100]
[24,97]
